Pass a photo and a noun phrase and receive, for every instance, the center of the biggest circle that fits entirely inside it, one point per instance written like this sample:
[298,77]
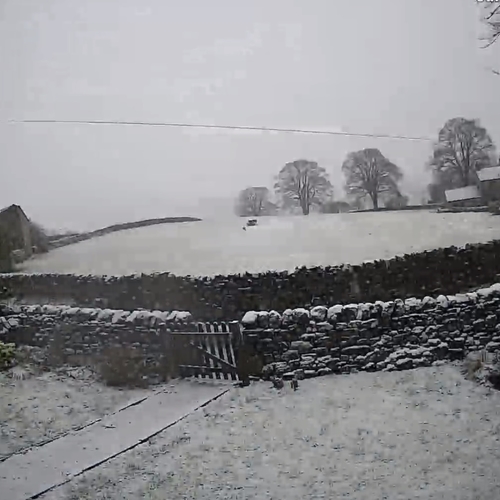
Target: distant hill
[61,241]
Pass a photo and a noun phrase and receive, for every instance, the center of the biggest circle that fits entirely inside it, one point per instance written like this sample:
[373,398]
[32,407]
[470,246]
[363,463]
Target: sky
[387,66]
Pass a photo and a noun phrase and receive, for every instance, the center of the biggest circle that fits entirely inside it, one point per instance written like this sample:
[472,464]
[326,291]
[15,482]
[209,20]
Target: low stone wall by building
[442,271]
[76,336]
[395,335]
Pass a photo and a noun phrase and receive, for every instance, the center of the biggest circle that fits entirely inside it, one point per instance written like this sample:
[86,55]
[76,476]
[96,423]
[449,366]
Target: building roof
[489,174]
[15,207]
[460,194]
[6,208]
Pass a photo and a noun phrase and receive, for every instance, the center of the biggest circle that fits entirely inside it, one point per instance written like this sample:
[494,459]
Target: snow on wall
[380,336]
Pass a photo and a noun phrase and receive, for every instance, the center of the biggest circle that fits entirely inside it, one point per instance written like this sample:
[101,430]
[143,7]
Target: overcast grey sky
[381,66]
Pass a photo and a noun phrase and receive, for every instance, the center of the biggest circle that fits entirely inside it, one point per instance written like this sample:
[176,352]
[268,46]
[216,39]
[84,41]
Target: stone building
[489,184]
[468,196]
[16,227]
[485,191]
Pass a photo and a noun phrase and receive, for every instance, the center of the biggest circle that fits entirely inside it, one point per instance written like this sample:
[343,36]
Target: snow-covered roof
[465,193]
[489,174]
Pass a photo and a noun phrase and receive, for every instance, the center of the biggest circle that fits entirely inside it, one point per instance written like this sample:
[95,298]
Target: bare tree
[303,183]
[491,18]
[369,173]
[396,201]
[436,193]
[463,148]
[253,201]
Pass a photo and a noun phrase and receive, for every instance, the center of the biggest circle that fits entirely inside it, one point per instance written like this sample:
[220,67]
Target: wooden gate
[209,352]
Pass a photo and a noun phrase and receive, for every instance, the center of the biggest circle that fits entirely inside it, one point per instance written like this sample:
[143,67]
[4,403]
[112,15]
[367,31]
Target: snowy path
[26,476]
[425,433]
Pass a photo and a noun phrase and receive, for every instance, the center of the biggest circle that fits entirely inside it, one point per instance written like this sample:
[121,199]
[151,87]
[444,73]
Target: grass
[346,434]
[123,366]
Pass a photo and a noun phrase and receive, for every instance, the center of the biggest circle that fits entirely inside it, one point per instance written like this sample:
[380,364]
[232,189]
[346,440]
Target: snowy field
[421,434]
[47,405]
[222,247]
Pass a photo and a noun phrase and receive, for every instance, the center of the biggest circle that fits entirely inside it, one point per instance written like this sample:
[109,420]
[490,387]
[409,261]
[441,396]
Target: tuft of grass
[122,366]
[473,363]
[7,355]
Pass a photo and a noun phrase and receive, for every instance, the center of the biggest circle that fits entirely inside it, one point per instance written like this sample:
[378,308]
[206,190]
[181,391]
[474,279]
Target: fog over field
[362,67]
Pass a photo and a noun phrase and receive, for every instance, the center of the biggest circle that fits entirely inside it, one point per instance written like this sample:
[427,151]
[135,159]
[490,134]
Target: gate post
[241,352]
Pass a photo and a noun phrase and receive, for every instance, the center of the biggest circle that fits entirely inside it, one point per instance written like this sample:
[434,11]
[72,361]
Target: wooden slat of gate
[204,361]
[212,347]
[223,341]
[231,355]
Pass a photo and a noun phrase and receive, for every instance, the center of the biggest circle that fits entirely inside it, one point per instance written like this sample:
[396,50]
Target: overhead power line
[228,127]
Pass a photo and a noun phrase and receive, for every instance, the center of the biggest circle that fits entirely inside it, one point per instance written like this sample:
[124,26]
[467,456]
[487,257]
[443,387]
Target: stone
[442,301]
[356,350]
[267,370]
[491,321]
[320,351]
[119,317]
[324,371]
[184,316]
[325,327]
[287,318]
[319,313]
[280,368]
[493,346]
[413,304]
[308,337]
[334,312]
[370,323]
[12,323]
[290,354]
[249,320]
[274,319]
[301,346]
[263,319]
[301,316]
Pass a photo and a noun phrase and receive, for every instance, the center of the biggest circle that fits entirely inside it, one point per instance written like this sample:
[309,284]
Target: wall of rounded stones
[391,335]
[442,271]
[75,335]
[300,342]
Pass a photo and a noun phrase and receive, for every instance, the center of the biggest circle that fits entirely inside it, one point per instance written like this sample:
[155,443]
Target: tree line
[463,147]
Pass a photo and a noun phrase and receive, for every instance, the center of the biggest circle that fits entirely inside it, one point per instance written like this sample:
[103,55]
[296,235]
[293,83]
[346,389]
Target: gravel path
[425,433]
[45,406]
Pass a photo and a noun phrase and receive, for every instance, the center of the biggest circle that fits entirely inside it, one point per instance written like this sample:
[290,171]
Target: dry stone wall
[75,335]
[443,271]
[393,335]
[300,342]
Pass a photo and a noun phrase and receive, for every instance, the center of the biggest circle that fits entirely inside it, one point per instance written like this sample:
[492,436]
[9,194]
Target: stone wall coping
[409,305]
[139,317]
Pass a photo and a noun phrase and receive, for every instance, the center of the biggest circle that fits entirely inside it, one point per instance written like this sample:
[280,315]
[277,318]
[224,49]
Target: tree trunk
[374,197]
[305,209]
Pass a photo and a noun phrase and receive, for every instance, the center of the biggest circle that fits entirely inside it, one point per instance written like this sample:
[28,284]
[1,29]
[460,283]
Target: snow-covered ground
[221,246]
[46,405]
[426,433]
